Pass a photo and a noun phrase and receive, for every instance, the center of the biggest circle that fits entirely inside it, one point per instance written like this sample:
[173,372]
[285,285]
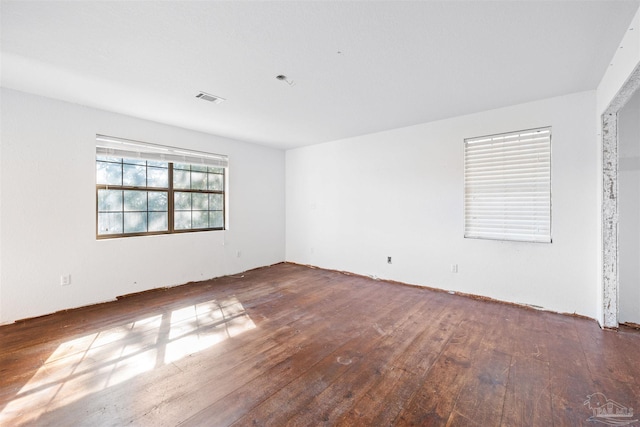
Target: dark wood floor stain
[293,345]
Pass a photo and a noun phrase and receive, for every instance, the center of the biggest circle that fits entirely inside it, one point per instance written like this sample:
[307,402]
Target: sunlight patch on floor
[187,336]
[94,362]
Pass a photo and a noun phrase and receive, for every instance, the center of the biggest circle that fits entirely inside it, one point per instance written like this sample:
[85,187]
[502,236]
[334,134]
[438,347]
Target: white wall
[624,61]
[1,108]
[47,215]
[629,211]
[399,193]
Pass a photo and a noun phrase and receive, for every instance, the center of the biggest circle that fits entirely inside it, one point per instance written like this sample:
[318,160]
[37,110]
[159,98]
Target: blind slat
[518,168]
[507,157]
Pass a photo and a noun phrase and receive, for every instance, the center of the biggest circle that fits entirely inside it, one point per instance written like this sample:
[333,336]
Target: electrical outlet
[388,260]
[65,280]
[454,268]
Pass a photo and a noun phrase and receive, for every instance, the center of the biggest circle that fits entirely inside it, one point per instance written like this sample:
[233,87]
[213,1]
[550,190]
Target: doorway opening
[610,195]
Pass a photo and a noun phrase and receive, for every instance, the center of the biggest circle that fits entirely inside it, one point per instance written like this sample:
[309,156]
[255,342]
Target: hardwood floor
[292,345]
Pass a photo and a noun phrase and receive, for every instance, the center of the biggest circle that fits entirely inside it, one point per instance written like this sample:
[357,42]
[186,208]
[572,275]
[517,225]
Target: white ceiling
[358,67]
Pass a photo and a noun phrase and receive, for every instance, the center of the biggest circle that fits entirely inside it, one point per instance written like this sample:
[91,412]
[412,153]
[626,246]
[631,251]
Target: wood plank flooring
[293,345]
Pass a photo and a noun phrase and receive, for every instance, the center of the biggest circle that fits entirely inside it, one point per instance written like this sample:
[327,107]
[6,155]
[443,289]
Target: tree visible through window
[139,197]
[198,197]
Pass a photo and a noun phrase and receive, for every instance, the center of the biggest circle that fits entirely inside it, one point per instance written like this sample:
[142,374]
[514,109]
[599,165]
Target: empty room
[320,213]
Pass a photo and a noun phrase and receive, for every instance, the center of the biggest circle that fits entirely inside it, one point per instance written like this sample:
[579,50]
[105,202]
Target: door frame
[610,273]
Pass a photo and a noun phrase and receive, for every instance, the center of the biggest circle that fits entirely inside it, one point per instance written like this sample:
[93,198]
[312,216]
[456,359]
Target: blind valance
[126,148]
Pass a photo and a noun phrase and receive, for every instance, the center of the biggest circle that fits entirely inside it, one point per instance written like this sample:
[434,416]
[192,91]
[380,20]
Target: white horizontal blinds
[508,186]
[125,148]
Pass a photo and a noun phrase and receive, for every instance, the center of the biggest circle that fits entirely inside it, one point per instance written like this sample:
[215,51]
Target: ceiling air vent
[210,98]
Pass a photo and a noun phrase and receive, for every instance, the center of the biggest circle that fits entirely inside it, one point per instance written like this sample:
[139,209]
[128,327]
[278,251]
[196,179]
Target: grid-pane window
[132,196]
[507,181]
[198,196]
[138,197]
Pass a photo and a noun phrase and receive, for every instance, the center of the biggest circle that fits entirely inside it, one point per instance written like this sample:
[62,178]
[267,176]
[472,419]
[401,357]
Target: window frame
[540,172]
[173,191]
[182,157]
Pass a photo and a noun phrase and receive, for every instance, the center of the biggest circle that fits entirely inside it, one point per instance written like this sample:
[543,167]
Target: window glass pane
[156,164]
[216,219]
[135,201]
[216,201]
[134,175]
[109,159]
[158,221]
[200,219]
[216,182]
[198,180]
[108,173]
[110,223]
[158,201]
[181,179]
[182,220]
[146,209]
[135,222]
[182,201]
[200,201]
[109,200]
[157,177]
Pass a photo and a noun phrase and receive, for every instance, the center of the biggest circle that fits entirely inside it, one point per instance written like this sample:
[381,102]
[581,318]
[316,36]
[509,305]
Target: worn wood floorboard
[293,345]
[311,340]
[400,349]
[528,395]
[569,371]
[329,385]
[480,401]
[382,399]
